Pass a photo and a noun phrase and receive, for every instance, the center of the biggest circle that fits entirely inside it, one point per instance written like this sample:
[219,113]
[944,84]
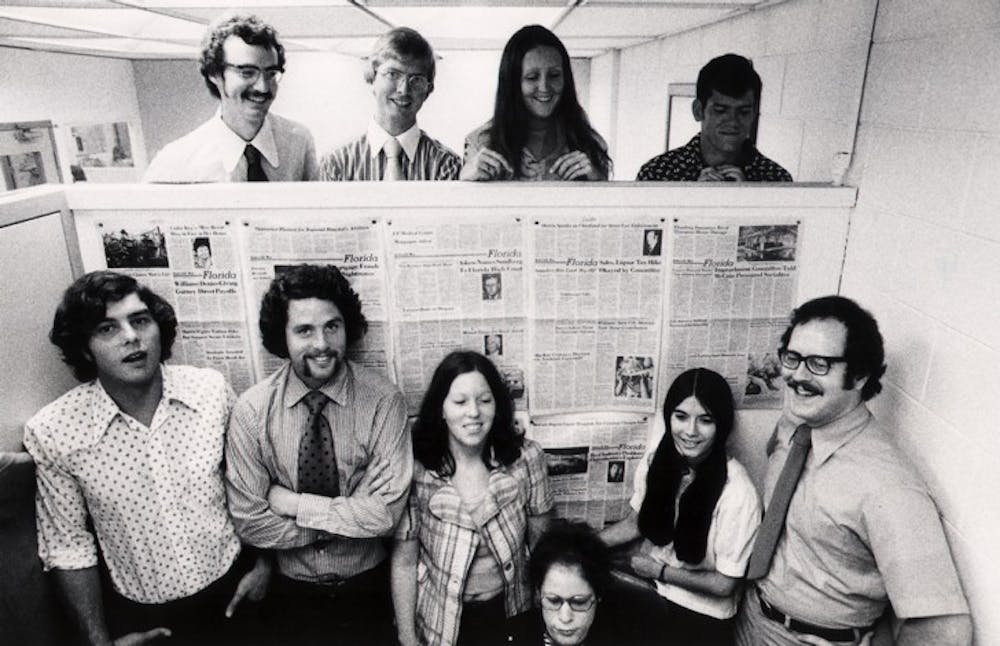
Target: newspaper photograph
[191,262]
[458,285]
[597,296]
[592,460]
[731,288]
[275,243]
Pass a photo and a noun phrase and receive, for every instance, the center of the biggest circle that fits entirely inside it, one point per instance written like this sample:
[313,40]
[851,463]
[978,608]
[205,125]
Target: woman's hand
[283,501]
[574,165]
[646,566]
[485,166]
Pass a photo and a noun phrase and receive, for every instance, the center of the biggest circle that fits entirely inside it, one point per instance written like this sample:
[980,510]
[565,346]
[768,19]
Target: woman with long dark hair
[479,497]
[697,510]
[538,130]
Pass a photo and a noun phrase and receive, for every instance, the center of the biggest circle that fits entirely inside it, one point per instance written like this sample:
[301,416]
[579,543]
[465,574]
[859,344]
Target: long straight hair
[697,503]
[508,131]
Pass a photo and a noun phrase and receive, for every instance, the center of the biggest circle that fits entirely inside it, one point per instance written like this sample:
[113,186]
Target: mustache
[804,385]
[252,94]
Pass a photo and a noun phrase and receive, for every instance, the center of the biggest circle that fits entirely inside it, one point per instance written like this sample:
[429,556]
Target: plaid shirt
[448,539]
[685,164]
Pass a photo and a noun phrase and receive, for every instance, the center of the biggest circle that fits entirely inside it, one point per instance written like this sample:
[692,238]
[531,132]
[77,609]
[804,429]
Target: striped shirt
[155,494]
[449,538]
[363,159]
[331,538]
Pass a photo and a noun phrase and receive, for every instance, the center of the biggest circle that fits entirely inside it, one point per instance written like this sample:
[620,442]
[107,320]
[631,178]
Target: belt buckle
[787,623]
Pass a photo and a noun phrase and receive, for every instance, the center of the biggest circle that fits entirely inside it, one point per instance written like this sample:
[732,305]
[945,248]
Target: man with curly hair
[130,462]
[319,465]
[242,62]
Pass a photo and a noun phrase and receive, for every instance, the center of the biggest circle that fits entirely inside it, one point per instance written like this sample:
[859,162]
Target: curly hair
[251,29]
[401,44]
[729,74]
[84,305]
[430,431]
[697,504]
[863,348]
[508,130]
[572,544]
[324,282]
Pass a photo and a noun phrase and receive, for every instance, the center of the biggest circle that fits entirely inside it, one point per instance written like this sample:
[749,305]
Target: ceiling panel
[126,47]
[130,23]
[16,28]
[462,22]
[294,22]
[648,21]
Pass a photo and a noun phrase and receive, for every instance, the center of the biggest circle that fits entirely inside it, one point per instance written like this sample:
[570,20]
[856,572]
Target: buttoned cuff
[313,511]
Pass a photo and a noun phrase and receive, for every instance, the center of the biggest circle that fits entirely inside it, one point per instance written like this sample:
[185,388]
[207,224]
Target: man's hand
[573,165]
[283,501]
[253,584]
[819,641]
[723,173]
[646,566]
[377,478]
[487,165]
[136,639]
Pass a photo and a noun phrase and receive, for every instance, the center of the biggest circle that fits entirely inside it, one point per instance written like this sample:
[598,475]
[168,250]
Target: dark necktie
[774,518]
[317,459]
[255,172]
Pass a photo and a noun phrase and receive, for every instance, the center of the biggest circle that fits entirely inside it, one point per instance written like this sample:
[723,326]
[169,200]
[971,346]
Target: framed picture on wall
[22,170]
[27,155]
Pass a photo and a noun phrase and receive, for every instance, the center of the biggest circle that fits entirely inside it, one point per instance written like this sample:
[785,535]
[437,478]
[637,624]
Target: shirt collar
[335,389]
[377,136]
[105,408]
[231,145]
[828,438]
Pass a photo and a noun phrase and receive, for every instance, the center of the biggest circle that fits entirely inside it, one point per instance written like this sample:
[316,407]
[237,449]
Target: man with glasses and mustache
[319,465]
[849,528]
[242,63]
[400,71]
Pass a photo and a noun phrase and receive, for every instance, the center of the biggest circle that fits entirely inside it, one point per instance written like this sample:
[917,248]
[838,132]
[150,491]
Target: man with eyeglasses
[849,528]
[400,71]
[242,62]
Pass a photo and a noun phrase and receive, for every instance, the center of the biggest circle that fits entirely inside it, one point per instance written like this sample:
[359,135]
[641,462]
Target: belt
[829,634]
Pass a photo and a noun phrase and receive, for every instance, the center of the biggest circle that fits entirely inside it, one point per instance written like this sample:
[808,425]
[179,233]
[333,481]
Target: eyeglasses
[250,73]
[815,363]
[576,604]
[418,82]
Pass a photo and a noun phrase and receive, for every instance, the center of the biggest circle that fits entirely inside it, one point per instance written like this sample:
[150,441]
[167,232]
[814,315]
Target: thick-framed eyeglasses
[250,73]
[576,604]
[815,363]
[417,82]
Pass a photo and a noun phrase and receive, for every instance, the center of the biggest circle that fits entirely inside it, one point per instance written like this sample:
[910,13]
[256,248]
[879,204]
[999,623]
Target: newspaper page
[597,294]
[191,261]
[592,460]
[273,243]
[732,288]
[458,285]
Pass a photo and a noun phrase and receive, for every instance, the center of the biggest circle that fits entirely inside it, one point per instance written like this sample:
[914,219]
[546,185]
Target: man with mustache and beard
[727,103]
[131,462]
[400,71]
[319,465]
[242,63]
[849,526]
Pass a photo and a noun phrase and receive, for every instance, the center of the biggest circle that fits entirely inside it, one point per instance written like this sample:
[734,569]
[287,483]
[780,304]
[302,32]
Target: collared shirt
[731,534]
[861,532]
[331,538]
[533,169]
[155,494]
[684,164]
[449,537]
[363,159]
[212,152]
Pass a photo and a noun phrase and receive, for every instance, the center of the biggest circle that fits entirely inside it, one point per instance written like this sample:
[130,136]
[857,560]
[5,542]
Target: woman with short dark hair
[479,497]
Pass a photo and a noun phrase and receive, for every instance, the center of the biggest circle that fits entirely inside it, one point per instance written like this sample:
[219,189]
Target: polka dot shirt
[684,164]
[155,494]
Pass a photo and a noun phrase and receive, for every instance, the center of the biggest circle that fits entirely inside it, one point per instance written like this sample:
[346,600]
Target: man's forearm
[81,590]
[945,630]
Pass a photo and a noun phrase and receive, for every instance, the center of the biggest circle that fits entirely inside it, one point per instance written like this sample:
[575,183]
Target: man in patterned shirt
[131,461]
[319,465]
[400,71]
[726,105]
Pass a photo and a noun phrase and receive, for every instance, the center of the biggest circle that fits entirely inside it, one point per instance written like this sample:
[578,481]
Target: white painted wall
[810,55]
[70,90]
[924,256]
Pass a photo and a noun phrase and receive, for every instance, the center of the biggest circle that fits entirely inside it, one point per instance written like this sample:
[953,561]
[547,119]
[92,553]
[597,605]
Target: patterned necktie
[255,172]
[774,518]
[393,160]
[317,459]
